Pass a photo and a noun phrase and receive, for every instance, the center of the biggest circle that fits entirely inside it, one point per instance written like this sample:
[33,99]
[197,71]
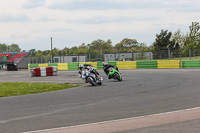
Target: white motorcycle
[91,78]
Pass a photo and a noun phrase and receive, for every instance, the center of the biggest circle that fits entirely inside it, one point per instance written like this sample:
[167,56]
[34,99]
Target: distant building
[128,56]
[69,59]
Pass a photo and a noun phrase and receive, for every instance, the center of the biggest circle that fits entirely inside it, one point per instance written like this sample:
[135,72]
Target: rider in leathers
[106,67]
[88,67]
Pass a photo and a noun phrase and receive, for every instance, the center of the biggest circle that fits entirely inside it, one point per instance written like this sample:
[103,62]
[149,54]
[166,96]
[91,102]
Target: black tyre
[91,81]
[99,83]
[118,77]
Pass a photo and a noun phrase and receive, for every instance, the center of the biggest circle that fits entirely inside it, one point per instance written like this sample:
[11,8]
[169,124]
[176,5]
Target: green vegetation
[9,48]
[23,88]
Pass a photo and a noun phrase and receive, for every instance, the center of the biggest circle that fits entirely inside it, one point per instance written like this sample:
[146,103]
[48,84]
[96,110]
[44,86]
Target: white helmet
[81,66]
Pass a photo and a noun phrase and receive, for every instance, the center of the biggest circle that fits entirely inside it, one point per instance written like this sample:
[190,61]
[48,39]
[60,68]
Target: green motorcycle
[113,73]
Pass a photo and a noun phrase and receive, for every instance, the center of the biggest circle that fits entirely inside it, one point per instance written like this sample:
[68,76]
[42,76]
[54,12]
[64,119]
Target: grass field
[24,88]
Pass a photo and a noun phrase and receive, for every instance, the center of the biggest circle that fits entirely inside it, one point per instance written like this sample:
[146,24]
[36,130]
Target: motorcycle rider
[81,67]
[106,67]
[89,67]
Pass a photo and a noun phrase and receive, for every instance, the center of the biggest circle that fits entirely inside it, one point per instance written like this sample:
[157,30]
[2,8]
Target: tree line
[178,42]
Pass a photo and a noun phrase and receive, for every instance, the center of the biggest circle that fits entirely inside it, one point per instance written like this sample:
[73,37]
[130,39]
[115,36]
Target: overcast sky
[31,23]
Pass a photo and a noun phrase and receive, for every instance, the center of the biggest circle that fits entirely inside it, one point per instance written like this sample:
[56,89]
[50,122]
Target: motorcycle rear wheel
[91,81]
[118,77]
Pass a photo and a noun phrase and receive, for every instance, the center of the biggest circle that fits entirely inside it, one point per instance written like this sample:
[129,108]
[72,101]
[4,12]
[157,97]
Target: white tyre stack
[43,71]
[31,72]
[54,70]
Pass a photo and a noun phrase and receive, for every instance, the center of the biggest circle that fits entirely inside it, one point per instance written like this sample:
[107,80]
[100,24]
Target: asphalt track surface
[141,93]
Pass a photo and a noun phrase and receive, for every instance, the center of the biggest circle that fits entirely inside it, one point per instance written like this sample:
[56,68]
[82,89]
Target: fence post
[150,53]
[132,54]
[168,53]
[89,57]
[45,58]
[29,59]
[63,57]
[51,59]
[118,55]
[76,57]
[189,52]
[41,59]
[102,56]
[115,56]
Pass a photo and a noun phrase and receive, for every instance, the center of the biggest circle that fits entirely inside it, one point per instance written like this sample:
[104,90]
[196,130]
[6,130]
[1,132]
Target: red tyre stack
[37,71]
[49,71]
[43,71]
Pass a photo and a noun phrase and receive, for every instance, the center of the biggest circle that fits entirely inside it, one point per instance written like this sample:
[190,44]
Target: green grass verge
[24,88]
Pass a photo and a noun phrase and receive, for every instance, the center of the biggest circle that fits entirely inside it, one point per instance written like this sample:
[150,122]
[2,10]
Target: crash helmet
[81,66]
[92,67]
[105,63]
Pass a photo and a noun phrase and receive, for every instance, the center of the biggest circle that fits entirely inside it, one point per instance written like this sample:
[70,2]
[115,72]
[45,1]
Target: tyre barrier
[169,64]
[43,71]
[191,64]
[160,64]
[126,65]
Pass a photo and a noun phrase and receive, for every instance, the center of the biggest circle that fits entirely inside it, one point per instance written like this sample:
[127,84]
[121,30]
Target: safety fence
[127,64]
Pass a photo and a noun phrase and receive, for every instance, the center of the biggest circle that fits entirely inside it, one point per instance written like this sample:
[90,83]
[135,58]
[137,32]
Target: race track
[142,92]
